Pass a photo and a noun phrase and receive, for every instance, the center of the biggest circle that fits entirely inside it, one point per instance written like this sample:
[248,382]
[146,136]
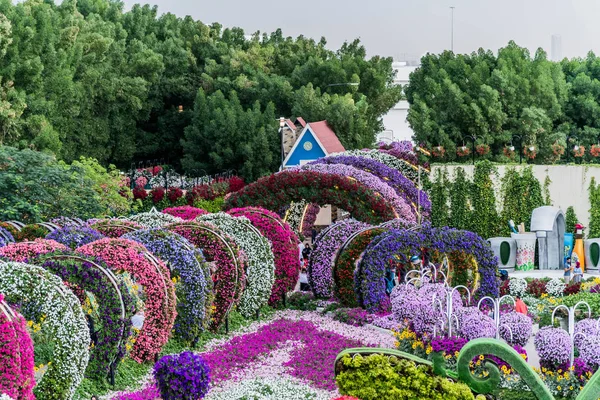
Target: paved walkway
[547,273]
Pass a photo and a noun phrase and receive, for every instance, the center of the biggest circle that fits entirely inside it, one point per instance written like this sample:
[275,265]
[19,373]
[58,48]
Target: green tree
[571,220]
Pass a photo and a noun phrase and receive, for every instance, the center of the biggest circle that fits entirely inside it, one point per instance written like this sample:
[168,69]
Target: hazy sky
[394,27]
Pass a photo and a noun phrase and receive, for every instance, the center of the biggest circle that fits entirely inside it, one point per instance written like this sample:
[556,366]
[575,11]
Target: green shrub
[212,206]
[376,377]
[31,232]
[302,301]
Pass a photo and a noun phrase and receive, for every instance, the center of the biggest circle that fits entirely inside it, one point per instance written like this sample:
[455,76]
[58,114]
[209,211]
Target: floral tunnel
[276,191]
[397,246]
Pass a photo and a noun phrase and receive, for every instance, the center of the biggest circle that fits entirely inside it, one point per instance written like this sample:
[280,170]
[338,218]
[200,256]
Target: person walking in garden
[567,269]
[313,235]
[304,287]
[577,273]
[520,306]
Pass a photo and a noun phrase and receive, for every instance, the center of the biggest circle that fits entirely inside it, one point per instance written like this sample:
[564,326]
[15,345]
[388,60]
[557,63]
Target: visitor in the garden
[390,280]
[313,235]
[567,269]
[520,306]
[304,281]
[306,253]
[577,273]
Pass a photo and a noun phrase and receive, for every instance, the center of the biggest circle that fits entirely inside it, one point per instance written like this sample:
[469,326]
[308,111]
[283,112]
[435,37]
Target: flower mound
[187,213]
[115,228]
[284,244]
[477,325]
[227,263]
[590,351]
[555,287]
[26,250]
[154,219]
[64,322]
[261,265]
[74,236]
[16,351]
[187,266]
[520,325]
[320,267]
[589,328]
[276,191]
[518,287]
[128,256]
[182,376]
[553,346]
[115,305]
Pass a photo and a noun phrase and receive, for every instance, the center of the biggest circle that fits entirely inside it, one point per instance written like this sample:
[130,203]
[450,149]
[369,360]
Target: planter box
[592,254]
[505,249]
[525,250]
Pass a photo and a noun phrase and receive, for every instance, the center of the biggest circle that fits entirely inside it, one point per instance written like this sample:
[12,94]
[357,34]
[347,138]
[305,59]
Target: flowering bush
[182,376]
[114,228]
[536,287]
[26,250]
[315,187]
[63,320]
[572,288]
[190,271]
[401,207]
[154,219]
[227,262]
[553,346]
[157,194]
[302,301]
[328,242]
[115,305]
[352,316]
[31,232]
[186,213]
[588,327]
[520,326]
[174,194]
[284,245]
[590,351]
[389,175]
[555,287]
[75,236]
[16,351]
[477,325]
[310,216]
[139,193]
[518,287]
[260,272]
[345,265]
[159,301]
[406,168]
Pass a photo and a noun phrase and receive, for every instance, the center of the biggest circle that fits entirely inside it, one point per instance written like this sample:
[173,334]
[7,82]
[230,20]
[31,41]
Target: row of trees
[87,78]
[495,96]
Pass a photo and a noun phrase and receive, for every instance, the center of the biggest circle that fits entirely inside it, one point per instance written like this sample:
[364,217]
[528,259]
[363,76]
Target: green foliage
[594,193]
[34,187]
[88,78]
[571,220]
[212,206]
[379,377]
[485,221]
[460,212]
[521,193]
[439,198]
[302,301]
[547,199]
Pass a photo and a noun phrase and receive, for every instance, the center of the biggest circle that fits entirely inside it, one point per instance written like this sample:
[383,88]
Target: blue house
[316,140]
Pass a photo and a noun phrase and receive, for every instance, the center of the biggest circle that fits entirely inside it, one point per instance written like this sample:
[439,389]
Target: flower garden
[189,304]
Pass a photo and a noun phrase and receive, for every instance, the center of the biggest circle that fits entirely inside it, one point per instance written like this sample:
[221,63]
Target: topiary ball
[182,376]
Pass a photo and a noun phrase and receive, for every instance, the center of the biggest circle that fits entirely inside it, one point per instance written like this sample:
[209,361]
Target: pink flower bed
[23,251]
[285,248]
[114,228]
[160,305]
[17,377]
[187,213]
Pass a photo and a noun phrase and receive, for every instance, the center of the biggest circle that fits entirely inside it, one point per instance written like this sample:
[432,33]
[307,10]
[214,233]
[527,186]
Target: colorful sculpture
[578,248]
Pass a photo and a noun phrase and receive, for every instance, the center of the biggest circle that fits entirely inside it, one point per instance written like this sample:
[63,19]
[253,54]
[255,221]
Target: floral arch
[276,191]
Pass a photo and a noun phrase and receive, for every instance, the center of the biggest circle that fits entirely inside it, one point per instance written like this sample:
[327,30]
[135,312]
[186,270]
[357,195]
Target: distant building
[305,142]
[556,51]
[396,126]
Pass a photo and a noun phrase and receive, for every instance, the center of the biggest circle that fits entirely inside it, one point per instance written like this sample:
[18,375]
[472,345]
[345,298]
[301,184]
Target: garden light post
[571,324]
[496,305]
[575,148]
[472,138]
[281,125]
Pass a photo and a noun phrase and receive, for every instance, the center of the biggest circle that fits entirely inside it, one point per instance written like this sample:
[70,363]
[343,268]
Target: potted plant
[509,151]
[578,151]
[530,151]
[558,149]
[438,151]
[482,149]
[595,150]
[463,151]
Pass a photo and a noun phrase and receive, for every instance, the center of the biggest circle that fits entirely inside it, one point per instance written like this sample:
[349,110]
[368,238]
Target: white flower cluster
[268,389]
[517,287]
[65,323]
[5,397]
[555,287]
[261,265]
[154,219]
[173,180]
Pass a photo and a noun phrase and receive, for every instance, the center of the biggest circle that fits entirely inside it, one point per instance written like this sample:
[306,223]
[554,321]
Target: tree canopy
[86,78]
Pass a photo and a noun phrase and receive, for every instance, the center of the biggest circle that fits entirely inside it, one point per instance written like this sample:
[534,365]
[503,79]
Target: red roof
[301,121]
[290,124]
[326,136]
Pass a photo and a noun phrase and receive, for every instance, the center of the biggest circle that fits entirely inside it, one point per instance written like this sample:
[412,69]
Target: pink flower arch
[24,251]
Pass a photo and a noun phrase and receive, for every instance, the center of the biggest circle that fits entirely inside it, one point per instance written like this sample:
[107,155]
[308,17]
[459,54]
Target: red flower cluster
[277,191]
[285,248]
[139,193]
[157,194]
[174,194]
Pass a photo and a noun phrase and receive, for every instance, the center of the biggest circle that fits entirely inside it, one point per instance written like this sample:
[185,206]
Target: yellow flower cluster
[33,327]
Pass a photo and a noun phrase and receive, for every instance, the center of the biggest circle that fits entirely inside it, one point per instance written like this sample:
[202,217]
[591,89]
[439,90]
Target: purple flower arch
[320,267]
[404,243]
[403,186]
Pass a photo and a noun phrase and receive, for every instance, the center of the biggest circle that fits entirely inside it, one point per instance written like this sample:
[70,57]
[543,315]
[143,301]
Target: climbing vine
[594,209]
[547,198]
[460,208]
[485,217]
[571,220]
[439,198]
[521,193]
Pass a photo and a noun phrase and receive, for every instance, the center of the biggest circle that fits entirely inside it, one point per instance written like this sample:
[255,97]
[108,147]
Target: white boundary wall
[568,187]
